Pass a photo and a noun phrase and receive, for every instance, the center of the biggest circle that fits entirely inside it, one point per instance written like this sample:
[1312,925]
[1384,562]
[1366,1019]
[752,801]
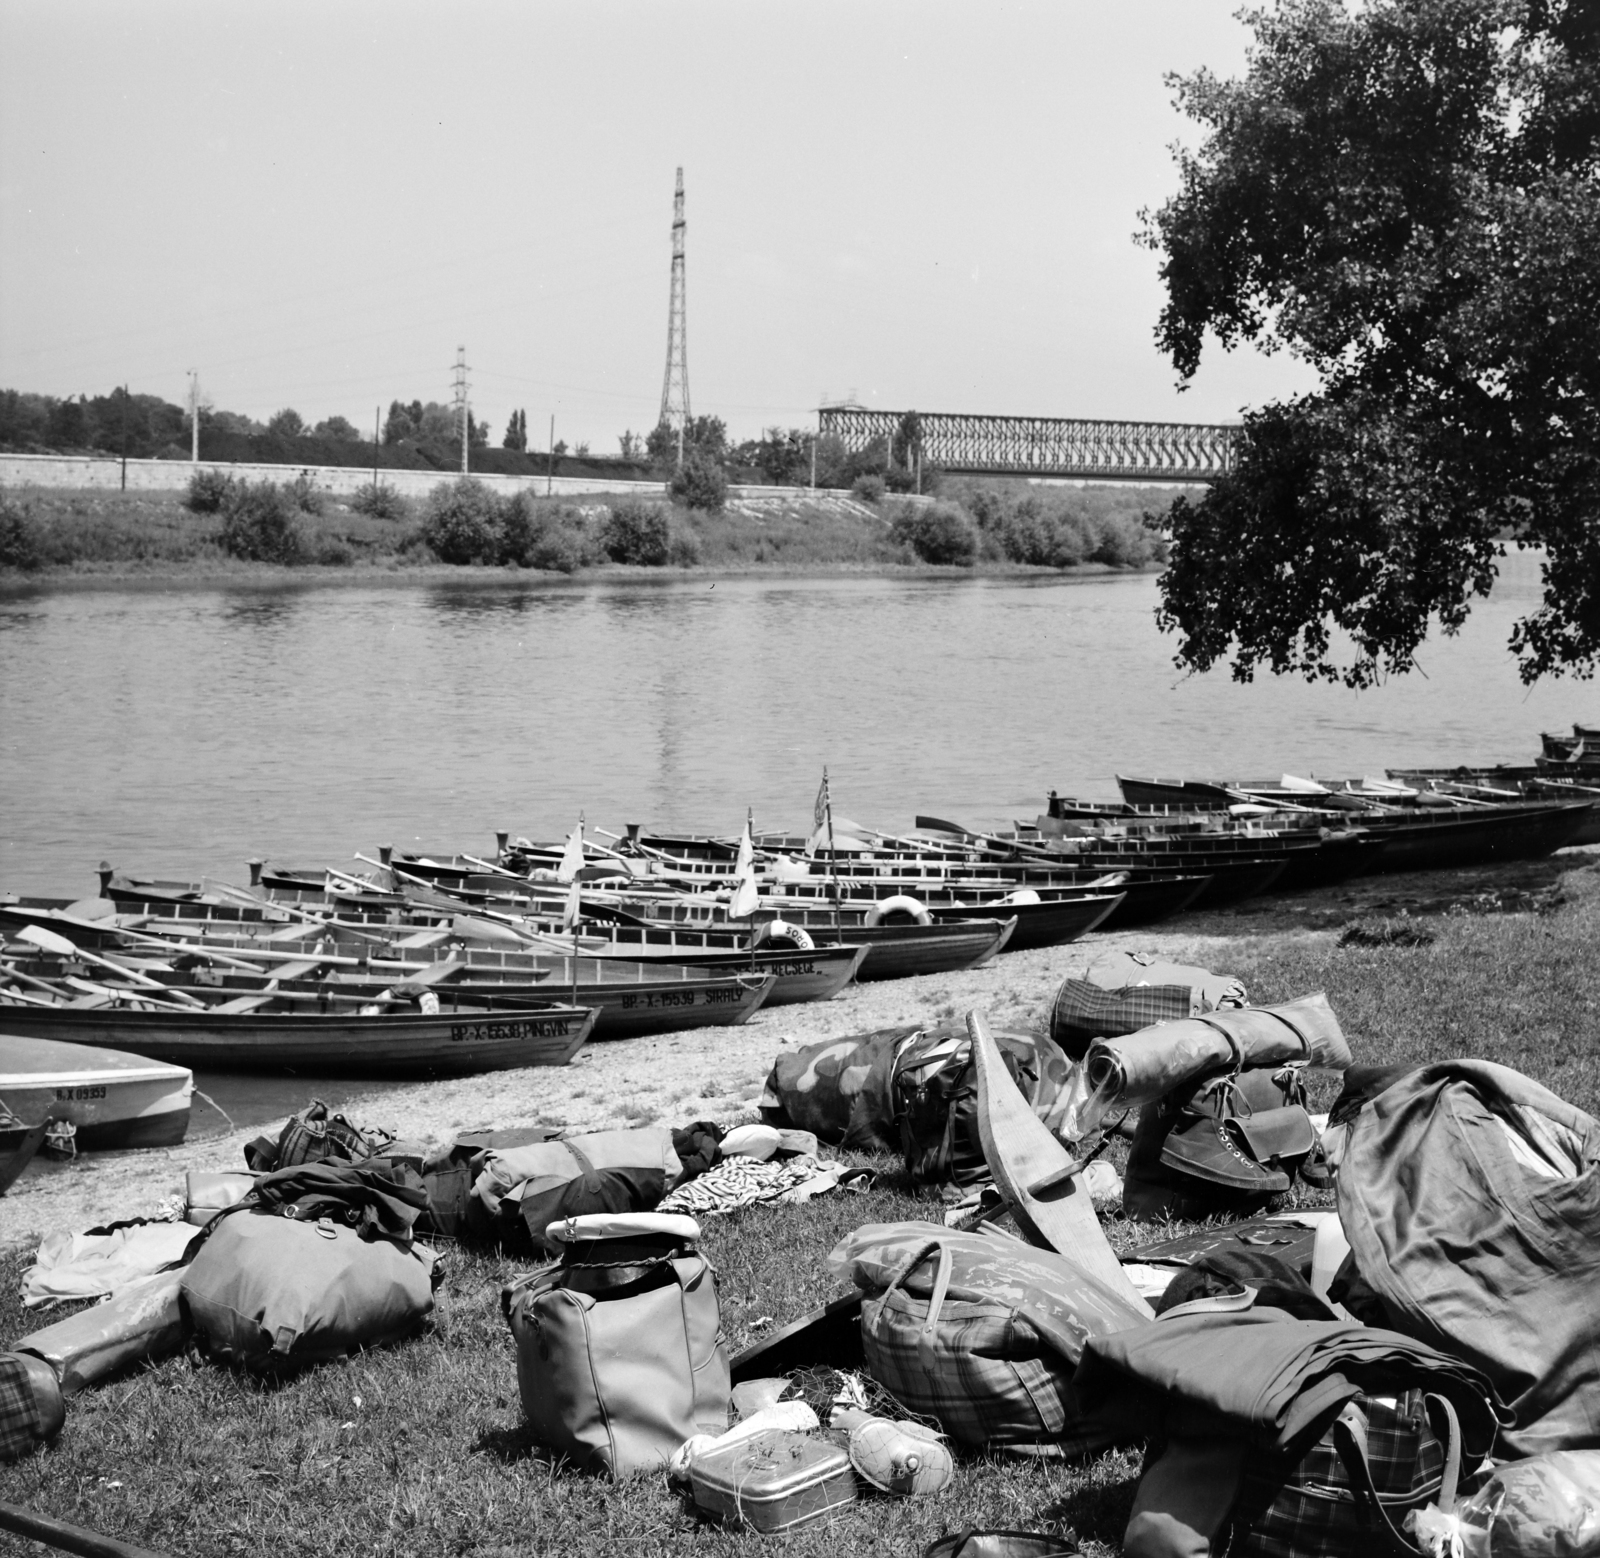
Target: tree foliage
[1406,196]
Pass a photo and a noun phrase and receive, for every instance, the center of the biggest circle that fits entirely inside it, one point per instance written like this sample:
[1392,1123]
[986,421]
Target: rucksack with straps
[935,1093]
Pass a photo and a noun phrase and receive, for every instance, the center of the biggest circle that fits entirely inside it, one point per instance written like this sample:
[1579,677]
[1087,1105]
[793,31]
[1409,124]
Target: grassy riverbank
[422,1448]
[50,536]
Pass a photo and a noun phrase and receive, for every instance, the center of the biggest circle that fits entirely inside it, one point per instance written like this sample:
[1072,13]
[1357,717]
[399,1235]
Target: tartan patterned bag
[989,1376]
[1381,1458]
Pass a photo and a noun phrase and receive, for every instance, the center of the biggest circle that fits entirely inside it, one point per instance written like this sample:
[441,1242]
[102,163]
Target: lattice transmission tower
[675,382]
[462,409]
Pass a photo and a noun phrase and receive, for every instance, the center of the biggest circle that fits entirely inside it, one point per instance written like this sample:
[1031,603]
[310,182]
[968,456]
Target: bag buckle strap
[1350,1439]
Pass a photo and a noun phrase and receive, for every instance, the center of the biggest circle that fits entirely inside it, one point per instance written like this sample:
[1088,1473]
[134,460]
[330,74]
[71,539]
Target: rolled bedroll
[1138,1068]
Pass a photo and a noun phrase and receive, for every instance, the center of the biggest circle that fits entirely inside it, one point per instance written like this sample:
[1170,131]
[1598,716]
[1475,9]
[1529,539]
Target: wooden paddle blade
[1027,1164]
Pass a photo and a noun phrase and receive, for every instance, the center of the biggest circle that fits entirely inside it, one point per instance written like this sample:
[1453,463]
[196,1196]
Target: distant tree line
[427,436]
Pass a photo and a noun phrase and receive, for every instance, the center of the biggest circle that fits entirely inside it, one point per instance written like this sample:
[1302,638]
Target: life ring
[899,909]
[782,933]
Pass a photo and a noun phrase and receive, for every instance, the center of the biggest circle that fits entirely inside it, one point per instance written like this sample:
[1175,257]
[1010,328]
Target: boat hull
[113,1100]
[448,1044]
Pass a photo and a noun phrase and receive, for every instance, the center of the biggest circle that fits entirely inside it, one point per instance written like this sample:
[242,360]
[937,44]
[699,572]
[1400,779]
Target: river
[180,731]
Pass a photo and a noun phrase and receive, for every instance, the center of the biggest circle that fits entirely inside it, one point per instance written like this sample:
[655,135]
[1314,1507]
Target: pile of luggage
[1413,1369]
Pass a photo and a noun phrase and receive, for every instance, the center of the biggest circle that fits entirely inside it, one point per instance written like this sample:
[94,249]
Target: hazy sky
[313,204]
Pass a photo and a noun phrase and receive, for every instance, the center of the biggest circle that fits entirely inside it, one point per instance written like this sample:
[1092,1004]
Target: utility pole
[124,437]
[194,417]
[550,459]
[377,438]
[675,382]
[463,415]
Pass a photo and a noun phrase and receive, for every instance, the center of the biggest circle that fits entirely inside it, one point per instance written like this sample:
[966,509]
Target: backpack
[935,1093]
[315,1136]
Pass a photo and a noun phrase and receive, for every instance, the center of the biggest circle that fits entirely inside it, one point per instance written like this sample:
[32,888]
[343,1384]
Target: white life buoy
[899,909]
[1021,895]
[782,933]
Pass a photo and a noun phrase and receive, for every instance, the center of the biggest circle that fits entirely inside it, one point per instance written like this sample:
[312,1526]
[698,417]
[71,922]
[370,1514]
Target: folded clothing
[1260,1375]
[103,1260]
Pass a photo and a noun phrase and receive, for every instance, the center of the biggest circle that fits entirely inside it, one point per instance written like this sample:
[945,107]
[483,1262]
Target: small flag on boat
[745,896]
[572,855]
[573,911]
[820,810]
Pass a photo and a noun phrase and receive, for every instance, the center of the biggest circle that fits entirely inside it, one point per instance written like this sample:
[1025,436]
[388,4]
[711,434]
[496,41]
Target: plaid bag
[1380,1459]
[31,1409]
[989,1376]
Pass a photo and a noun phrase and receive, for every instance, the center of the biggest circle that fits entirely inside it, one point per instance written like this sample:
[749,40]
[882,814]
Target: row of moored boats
[454,964]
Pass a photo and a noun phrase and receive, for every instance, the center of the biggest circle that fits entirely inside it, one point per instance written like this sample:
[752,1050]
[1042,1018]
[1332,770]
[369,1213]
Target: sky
[924,205]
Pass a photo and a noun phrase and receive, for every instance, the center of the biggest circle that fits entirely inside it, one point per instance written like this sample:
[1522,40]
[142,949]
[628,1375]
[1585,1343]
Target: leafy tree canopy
[1406,195]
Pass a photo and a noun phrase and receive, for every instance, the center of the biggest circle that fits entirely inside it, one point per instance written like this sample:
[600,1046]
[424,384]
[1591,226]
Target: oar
[49,941]
[68,1538]
[123,993]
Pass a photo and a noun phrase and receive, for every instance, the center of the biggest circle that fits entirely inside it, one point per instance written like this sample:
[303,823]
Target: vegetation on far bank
[224,525]
[422,1447]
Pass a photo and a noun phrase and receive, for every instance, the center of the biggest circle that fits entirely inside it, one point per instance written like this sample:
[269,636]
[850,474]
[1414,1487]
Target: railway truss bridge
[1042,446]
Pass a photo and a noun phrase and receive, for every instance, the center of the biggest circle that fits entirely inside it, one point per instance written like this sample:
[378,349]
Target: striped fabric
[737,1182]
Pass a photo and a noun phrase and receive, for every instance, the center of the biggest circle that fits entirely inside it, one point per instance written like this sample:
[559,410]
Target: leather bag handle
[941,1286]
[1350,1439]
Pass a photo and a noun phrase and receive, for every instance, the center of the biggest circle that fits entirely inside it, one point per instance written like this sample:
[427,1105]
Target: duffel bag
[602,1171]
[979,1334]
[274,1293]
[620,1353]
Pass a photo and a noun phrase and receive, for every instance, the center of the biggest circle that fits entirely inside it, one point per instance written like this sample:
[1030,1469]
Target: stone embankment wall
[104,474]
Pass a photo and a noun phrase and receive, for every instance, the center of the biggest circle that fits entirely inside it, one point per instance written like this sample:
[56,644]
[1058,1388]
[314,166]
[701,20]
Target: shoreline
[718,1073]
[208,575]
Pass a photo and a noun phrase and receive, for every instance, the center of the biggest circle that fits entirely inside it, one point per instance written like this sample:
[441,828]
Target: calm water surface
[181,731]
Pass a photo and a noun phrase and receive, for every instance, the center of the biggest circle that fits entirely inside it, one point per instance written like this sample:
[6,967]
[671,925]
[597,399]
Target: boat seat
[246,1003]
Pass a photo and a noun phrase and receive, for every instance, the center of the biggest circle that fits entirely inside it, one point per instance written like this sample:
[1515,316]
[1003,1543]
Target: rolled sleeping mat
[1139,1068]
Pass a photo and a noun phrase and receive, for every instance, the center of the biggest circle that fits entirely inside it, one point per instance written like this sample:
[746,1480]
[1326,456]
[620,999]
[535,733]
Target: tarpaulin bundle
[1139,1068]
[1471,1199]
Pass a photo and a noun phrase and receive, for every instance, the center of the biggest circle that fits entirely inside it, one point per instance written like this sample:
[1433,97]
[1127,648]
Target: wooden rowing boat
[112,1099]
[461,1039]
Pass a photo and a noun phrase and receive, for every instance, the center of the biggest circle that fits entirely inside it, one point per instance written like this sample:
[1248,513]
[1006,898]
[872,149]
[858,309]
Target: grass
[421,1449]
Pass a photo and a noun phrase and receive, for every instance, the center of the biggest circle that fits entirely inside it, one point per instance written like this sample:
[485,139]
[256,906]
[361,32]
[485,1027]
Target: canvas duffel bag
[273,1292]
[620,1353]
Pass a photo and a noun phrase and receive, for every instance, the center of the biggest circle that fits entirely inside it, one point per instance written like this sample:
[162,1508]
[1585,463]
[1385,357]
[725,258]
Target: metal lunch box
[773,1481]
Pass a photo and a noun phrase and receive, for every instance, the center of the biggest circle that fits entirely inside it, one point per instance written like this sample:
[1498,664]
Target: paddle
[49,941]
[1041,1179]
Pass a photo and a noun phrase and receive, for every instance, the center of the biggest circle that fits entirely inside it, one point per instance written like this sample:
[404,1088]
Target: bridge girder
[1048,446]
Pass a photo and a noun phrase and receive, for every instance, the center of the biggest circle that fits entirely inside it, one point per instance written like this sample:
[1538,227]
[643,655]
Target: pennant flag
[820,810]
[574,907]
[572,855]
[745,896]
